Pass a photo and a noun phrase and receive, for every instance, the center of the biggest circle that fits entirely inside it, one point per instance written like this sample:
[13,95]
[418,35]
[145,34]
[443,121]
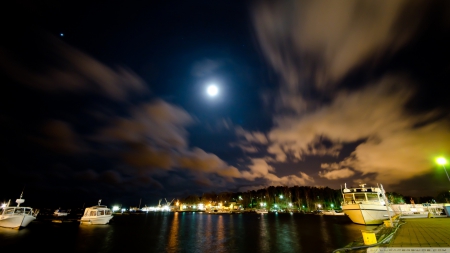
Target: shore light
[442,161]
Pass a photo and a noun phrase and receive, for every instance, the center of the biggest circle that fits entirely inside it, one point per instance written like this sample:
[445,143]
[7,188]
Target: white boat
[333,212]
[366,205]
[262,211]
[218,211]
[18,216]
[96,215]
[59,212]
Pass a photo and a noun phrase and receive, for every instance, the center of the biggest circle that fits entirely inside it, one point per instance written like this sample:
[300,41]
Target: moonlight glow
[212,90]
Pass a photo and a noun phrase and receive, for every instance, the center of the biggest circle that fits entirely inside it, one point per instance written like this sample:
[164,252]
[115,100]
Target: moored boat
[97,215]
[18,216]
[60,212]
[262,211]
[366,205]
[333,212]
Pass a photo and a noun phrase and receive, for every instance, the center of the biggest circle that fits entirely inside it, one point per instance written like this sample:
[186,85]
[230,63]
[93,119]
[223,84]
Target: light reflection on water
[190,232]
[173,237]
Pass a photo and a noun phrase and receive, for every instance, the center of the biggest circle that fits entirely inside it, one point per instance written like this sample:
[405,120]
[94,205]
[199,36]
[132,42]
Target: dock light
[281,196]
[290,204]
[3,205]
[276,205]
[332,205]
[184,207]
[319,206]
[261,204]
[442,161]
[115,208]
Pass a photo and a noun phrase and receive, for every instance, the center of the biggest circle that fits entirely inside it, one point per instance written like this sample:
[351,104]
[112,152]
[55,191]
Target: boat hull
[367,214]
[103,220]
[16,221]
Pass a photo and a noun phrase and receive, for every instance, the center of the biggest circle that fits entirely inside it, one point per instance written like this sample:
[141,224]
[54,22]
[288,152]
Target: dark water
[188,232]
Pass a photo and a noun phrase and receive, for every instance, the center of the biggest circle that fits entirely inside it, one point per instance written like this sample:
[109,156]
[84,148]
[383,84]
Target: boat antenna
[21,194]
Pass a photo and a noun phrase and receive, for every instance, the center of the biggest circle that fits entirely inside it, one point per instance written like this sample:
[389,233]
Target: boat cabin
[97,211]
[17,211]
[362,195]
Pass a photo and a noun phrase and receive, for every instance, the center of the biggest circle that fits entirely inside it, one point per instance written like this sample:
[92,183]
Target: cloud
[318,42]
[158,123]
[200,161]
[396,141]
[261,169]
[205,67]
[252,137]
[337,174]
[70,70]
[60,137]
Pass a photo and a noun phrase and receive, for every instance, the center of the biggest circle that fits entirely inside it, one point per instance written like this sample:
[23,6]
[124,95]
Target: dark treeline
[275,197]
[305,198]
[396,198]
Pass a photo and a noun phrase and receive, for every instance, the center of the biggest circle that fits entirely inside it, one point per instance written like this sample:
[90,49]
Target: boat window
[101,212]
[9,211]
[348,198]
[18,211]
[107,212]
[86,213]
[93,213]
[27,211]
[372,197]
[360,197]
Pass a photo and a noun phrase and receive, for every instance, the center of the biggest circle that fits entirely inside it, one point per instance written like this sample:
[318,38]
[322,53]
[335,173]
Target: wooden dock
[408,234]
[422,232]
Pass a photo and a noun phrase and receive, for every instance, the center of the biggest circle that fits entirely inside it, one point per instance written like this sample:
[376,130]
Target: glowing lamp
[441,161]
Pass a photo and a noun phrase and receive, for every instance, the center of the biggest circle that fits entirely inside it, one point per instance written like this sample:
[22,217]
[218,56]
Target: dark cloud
[70,70]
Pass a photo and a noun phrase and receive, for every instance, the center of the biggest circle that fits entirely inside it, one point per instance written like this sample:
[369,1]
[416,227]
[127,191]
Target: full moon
[212,90]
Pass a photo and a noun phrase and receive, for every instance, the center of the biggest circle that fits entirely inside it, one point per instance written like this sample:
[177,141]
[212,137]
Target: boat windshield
[372,197]
[360,197]
[348,198]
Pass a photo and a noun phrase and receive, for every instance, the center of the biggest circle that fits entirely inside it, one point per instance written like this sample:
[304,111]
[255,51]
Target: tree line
[304,198]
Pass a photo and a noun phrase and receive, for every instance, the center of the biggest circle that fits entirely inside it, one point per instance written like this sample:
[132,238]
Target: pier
[422,232]
[407,234]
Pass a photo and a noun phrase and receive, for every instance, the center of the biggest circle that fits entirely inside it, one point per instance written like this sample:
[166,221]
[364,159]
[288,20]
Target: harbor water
[188,232]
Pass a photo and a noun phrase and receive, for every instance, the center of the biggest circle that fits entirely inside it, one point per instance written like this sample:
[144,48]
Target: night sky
[107,99]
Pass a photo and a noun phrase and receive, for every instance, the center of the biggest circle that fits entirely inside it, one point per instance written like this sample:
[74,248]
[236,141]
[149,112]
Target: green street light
[442,161]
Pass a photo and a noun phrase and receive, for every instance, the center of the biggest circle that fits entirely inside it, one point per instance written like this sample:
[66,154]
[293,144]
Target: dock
[422,232]
[408,234]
